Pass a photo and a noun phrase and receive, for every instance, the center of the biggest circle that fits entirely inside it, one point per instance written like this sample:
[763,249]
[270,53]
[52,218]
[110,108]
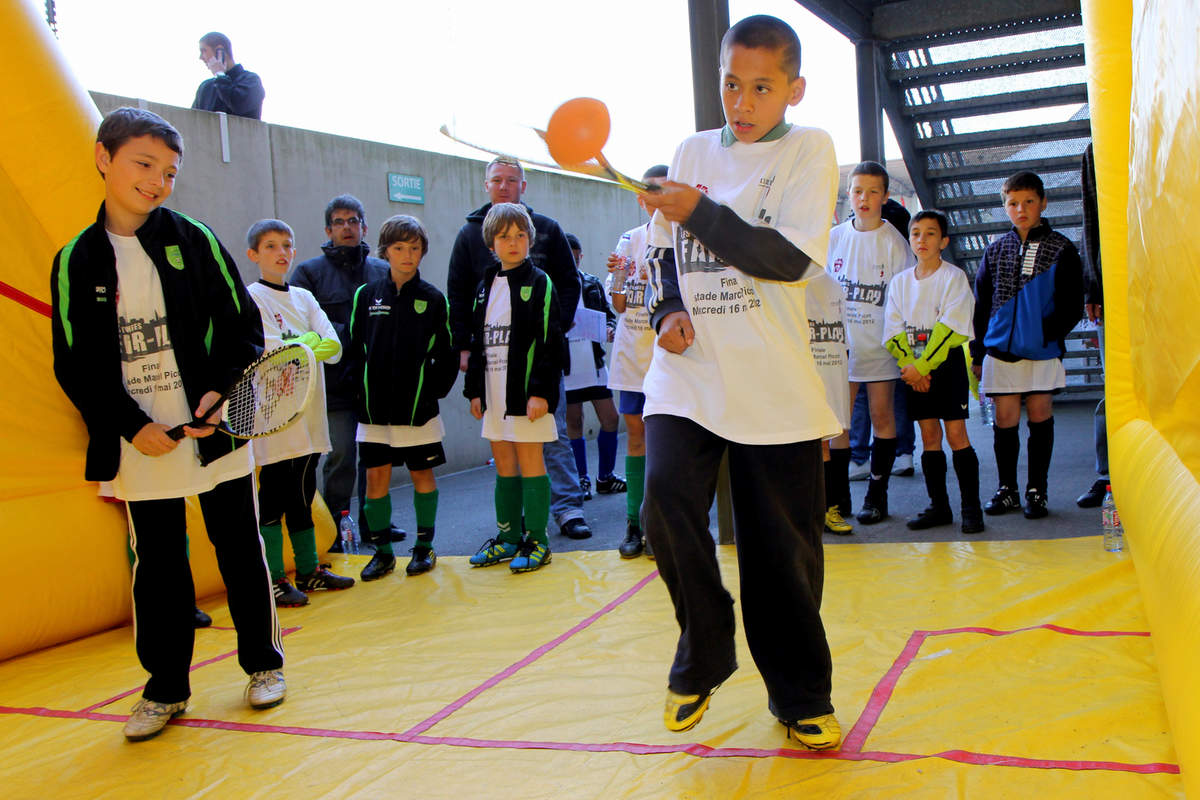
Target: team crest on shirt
[174,256]
[526,293]
[379,308]
[419,306]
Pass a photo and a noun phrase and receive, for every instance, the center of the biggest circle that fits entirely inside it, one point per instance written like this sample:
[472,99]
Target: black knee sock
[966,467]
[1007,446]
[883,458]
[837,487]
[933,465]
[1041,446]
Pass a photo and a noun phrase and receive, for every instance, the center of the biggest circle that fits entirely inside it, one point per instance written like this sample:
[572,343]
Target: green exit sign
[406,188]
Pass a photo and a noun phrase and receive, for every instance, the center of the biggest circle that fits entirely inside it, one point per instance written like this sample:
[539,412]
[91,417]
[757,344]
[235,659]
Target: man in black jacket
[504,181]
[232,89]
[333,278]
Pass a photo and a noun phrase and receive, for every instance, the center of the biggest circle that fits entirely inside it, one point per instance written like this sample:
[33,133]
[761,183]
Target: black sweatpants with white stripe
[164,596]
[778,494]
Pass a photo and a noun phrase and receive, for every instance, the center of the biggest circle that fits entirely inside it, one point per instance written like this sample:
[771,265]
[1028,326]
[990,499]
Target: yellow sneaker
[683,711]
[815,733]
[834,523]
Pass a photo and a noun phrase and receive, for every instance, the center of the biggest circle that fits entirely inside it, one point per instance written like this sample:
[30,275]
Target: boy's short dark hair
[346,202]
[214,40]
[502,215]
[657,171]
[402,228]
[871,168]
[265,226]
[1023,180]
[934,214]
[573,241]
[764,32]
[127,123]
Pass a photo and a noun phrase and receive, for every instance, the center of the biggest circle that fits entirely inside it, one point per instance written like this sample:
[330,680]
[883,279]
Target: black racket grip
[177,433]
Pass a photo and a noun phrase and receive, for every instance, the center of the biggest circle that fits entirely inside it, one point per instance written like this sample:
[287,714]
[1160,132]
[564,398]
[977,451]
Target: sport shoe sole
[684,711]
[815,733]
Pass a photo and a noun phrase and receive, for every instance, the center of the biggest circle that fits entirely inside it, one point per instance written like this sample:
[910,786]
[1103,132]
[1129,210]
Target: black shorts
[417,457]
[588,393]
[949,395]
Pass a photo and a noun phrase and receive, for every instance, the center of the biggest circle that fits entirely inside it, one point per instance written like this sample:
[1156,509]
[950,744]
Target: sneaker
[200,619]
[834,523]
[585,486]
[379,565]
[575,528]
[423,559]
[874,508]
[613,484]
[1004,500]
[815,733]
[1035,504]
[931,517]
[266,689]
[859,472]
[904,466]
[1093,497]
[634,543]
[972,520]
[289,596]
[683,711]
[148,718]
[530,556]
[493,552]
[322,578]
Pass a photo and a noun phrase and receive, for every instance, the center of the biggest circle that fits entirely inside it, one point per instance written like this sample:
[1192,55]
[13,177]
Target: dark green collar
[727,137]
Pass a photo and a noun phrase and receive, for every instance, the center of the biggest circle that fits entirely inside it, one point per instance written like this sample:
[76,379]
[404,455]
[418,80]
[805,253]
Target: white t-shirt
[915,305]
[287,314]
[633,344]
[152,379]
[827,336]
[497,326]
[749,376]
[864,262]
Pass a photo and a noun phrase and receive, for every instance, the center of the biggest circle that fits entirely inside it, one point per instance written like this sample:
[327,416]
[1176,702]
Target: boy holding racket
[513,373]
[150,324]
[739,229]
[287,480]
[403,364]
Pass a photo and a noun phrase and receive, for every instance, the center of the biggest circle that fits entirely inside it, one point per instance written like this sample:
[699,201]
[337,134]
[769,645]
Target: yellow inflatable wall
[65,571]
[1144,87]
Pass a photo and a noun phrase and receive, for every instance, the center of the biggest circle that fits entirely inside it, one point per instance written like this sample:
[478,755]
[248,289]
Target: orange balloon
[577,131]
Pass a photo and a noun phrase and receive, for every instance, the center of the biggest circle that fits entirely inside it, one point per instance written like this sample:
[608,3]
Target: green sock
[304,546]
[508,509]
[425,504]
[635,477]
[536,494]
[272,536]
[379,520]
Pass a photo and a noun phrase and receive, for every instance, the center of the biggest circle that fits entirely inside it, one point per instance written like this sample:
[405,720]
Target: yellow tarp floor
[982,670]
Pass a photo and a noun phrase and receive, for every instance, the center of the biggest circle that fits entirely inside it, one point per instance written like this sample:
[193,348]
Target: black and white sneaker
[287,595]
[585,486]
[1035,504]
[1004,500]
[612,484]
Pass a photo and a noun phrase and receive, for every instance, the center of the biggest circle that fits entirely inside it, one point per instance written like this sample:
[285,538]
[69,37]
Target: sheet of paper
[590,325]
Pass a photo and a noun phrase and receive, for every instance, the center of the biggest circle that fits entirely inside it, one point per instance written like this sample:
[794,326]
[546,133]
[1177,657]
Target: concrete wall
[290,174]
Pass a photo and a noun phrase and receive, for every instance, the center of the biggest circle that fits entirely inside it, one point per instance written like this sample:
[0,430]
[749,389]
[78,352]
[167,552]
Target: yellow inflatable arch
[65,571]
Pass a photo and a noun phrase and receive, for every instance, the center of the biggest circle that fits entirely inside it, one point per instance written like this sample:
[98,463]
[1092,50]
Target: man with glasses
[333,278]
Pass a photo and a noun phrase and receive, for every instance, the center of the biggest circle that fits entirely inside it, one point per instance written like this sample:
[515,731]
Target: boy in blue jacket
[1028,297]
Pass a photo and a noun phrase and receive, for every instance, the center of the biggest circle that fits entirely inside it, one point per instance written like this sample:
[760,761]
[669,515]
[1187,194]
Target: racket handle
[177,433]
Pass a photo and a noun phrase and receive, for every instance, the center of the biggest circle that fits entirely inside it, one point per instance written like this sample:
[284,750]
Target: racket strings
[270,396]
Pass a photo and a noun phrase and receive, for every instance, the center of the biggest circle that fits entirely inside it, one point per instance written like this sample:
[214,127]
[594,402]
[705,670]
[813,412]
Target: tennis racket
[270,394]
[597,169]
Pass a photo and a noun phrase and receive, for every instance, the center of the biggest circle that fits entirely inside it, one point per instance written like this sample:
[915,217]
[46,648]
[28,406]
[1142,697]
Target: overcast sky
[384,70]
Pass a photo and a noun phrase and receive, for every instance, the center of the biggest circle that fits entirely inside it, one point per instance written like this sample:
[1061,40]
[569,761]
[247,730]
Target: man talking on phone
[232,89]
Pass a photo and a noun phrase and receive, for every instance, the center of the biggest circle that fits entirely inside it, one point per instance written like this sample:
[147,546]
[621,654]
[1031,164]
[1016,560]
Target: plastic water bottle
[1114,533]
[349,531]
[987,410]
